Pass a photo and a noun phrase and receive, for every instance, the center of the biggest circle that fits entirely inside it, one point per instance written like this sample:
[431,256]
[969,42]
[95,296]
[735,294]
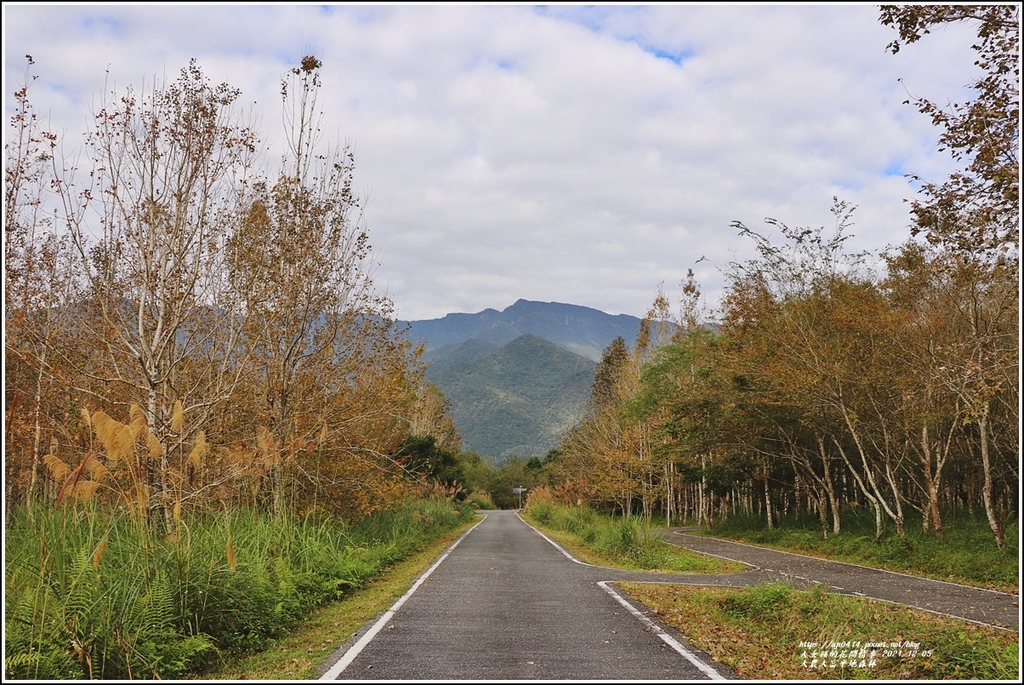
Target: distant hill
[516,399]
[447,356]
[517,378]
[580,330]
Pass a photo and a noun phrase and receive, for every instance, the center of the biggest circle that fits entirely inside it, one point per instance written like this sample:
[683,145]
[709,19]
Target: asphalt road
[977,605]
[506,603]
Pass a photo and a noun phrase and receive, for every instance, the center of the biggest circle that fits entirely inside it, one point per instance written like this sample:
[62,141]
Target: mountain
[516,400]
[517,378]
[580,330]
[447,356]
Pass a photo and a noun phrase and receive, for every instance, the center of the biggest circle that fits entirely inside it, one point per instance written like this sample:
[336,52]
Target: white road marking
[341,664]
[706,669]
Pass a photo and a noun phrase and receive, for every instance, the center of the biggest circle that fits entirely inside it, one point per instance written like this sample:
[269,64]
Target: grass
[91,593]
[967,554]
[309,644]
[774,632]
[618,543]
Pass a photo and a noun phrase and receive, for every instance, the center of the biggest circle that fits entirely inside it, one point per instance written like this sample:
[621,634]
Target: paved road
[973,604]
[505,603]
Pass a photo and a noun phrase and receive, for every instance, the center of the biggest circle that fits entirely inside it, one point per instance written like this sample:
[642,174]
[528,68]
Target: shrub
[480,500]
[759,603]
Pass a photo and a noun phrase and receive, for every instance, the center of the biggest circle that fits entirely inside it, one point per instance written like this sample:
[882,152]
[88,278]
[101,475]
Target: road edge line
[349,656]
[557,546]
[706,669]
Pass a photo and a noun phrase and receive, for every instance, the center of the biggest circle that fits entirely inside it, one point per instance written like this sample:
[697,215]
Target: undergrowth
[93,595]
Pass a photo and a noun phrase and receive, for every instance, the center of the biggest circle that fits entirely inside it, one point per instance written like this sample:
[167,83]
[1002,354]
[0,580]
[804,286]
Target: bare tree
[165,167]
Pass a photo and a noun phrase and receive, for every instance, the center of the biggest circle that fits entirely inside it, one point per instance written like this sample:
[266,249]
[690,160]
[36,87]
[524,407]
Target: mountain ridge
[516,379]
[519,400]
[581,330]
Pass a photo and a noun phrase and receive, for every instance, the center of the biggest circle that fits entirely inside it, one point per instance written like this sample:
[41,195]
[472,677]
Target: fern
[16,665]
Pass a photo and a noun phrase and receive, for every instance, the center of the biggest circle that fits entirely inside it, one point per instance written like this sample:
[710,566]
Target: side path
[987,607]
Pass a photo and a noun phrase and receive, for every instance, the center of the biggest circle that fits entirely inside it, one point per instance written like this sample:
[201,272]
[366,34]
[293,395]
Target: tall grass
[94,595]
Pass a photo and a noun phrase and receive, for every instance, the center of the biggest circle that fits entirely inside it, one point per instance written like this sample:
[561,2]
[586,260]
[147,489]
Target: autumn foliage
[187,331]
[826,388]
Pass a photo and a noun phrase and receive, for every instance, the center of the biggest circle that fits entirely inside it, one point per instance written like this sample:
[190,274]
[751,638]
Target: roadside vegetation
[964,555]
[616,542]
[774,632]
[93,596]
[308,645]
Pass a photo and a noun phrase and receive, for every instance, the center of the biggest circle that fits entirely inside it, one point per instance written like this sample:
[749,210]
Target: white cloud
[565,153]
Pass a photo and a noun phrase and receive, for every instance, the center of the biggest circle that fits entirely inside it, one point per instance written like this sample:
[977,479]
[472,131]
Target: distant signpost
[519,491]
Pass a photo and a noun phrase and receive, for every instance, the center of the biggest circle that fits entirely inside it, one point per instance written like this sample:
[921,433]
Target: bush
[480,500]
[758,603]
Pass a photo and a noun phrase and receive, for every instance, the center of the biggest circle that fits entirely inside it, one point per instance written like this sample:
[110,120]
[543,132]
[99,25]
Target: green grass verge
[309,644]
[620,543]
[774,632]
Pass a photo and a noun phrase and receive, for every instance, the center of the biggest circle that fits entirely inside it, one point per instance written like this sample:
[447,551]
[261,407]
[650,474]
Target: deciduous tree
[149,228]
[977,209]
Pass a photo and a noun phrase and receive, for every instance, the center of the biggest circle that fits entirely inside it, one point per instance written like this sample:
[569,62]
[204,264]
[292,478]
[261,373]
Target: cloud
[559,153]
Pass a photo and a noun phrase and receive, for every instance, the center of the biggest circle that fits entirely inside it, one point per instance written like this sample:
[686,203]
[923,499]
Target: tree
[164,164]
[973,217]
[811,329]
[977,209]
[38,286]
[325,356]
[430,416]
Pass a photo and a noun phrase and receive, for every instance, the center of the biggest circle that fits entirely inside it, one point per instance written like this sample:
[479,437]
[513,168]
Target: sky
[583,154]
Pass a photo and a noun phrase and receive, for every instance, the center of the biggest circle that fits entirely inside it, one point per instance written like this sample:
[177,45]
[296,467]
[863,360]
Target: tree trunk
[870,498]
[833,498]
[768,504]
[986,492]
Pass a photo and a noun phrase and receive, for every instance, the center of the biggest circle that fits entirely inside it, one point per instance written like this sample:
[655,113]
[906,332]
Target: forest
[825,386]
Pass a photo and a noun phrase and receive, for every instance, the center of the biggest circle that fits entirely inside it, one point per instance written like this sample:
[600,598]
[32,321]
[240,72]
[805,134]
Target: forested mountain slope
[517,400]
[581,330]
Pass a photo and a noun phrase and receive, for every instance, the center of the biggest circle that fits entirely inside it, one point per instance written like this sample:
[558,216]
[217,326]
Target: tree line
[189,328]
[823,387]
